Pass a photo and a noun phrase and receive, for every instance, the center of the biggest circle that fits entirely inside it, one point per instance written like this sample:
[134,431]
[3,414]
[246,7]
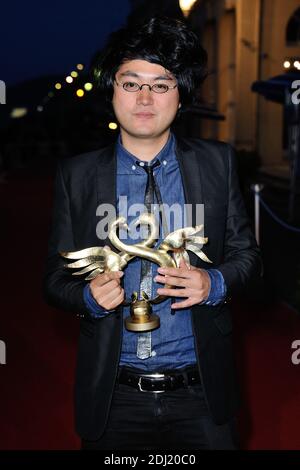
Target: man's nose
[144,96]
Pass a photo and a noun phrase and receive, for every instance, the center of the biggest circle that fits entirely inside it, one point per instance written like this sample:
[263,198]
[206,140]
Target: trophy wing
[178,238]
[91,261]
[198,251]
[186,239]
[179,255]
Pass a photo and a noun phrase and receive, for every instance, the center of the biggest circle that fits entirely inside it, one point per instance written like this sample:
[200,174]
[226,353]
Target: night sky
[41,38]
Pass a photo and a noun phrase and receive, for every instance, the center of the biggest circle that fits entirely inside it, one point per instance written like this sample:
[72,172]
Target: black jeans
[169,420]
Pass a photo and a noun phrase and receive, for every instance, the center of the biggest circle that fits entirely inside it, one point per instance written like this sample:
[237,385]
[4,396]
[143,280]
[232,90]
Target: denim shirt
[173,342]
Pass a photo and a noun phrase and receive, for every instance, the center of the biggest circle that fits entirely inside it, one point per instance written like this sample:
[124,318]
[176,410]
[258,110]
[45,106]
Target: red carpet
[36,405]
[270,382]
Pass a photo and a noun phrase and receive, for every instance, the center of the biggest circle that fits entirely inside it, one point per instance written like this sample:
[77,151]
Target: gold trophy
[97,260]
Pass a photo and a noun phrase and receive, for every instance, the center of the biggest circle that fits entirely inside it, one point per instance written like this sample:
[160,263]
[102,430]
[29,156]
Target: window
[293,29]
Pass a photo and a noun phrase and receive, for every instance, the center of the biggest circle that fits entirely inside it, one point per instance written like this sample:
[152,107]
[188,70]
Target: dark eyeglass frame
[151,87]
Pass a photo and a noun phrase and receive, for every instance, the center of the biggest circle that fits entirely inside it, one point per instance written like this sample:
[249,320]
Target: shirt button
[142,164]
[165,162]
[133,167]
[153,353]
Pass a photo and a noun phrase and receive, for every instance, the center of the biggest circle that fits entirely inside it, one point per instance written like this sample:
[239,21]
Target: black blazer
[209,177]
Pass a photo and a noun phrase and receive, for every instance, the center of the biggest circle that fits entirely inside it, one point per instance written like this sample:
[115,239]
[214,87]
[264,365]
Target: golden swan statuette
[96,260]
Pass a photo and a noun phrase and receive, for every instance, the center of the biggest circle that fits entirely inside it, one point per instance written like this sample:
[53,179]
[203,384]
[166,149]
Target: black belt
[158,382]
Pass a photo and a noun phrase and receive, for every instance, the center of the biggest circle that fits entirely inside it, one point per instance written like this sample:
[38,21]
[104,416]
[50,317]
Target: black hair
[160,40]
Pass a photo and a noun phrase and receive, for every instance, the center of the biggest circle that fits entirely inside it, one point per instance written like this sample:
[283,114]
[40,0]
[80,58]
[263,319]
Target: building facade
[247,40]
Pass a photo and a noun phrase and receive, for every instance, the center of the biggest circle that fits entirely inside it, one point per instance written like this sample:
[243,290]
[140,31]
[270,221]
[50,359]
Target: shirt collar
[127,161]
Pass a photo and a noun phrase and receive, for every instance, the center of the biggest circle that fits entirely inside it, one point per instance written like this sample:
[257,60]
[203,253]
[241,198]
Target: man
[175,387]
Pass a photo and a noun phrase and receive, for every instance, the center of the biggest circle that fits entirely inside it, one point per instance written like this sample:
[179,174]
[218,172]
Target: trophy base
[135,323]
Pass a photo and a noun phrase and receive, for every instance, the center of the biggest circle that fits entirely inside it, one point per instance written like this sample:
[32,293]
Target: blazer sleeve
[241,256]
[60,289]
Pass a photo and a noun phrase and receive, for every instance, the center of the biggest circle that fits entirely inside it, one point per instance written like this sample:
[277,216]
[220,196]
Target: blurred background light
[18,113]
[80,93]
[186,6]
[88,86]
[297,64]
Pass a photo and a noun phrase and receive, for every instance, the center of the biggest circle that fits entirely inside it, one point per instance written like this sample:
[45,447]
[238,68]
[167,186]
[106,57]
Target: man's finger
[118,300]
[110,302]
[104,278]
[111,295]
[172,281]
[173,292]
[177,272]
[193,268]
[183,264]
[185,304]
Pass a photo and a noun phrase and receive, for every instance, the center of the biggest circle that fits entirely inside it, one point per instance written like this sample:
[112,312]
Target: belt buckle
[156,376]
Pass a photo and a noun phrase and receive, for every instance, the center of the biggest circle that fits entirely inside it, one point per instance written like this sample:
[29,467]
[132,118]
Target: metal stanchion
[257,188]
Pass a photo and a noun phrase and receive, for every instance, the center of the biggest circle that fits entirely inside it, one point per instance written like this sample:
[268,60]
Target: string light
[80,93]
[113,126]
[88,86]
[297,64]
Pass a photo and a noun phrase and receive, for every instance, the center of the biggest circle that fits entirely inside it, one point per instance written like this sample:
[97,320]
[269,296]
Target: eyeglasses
[133,87]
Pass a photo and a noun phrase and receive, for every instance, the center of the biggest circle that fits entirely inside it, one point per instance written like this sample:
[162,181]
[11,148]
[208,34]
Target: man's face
[144,114]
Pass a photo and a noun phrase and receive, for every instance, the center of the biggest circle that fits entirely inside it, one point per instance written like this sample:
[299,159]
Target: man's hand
[194,283]
[106,289]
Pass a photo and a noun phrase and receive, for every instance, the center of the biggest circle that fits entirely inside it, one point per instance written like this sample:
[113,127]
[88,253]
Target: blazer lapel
[192,185]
